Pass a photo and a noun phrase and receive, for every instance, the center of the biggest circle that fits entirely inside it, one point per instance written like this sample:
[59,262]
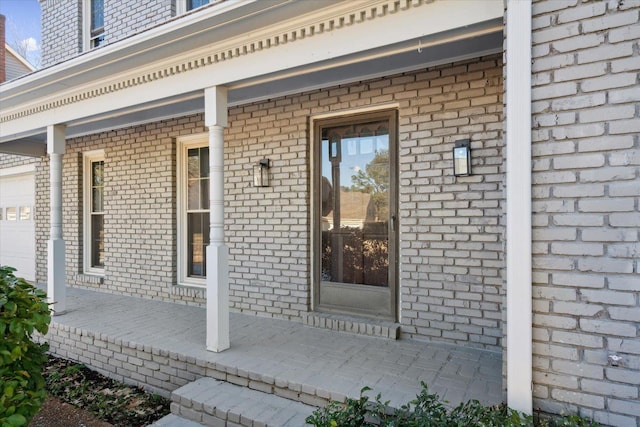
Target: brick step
[354,325]
[217,403]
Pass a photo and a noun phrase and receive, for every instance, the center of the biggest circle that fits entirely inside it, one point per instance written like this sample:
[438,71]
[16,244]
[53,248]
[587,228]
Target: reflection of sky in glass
[356,154]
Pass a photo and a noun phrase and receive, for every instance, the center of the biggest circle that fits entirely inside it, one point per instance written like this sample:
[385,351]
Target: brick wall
[11,160]
[451,229]
[586,208]
[62,24]
[122,19]
[61,30]
[139,208]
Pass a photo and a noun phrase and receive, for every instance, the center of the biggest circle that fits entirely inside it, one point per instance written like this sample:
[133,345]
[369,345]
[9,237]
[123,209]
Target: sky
[23,27]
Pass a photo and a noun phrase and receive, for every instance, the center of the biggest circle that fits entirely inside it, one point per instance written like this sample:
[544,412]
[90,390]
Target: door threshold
[353,324]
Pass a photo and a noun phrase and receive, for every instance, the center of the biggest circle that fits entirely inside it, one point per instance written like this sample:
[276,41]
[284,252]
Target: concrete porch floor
[161,345]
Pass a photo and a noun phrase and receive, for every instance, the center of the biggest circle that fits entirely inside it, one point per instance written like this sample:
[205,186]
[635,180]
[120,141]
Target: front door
[356,214]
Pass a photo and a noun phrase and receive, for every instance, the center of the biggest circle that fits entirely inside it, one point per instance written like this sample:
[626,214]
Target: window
[93,23]
[193,205]
[12,214]
[94,185]
[187,5]
[25,213]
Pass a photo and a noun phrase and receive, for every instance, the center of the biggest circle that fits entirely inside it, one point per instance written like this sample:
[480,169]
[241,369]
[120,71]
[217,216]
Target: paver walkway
[287,350]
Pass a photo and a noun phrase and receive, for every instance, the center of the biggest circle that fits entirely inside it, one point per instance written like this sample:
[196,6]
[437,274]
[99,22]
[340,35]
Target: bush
[23,310]
[426,410]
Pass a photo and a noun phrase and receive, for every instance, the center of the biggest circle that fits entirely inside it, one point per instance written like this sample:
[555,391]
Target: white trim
[86,25]
[18,170]
[519,275]
[88,158]
[314,181]
[183,143]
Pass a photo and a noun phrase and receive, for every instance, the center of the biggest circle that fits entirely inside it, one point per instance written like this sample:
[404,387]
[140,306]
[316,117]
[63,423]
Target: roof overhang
[258,49]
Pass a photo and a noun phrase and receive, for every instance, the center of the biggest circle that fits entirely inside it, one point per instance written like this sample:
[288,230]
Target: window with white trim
[193,209]
[94,185]
[93,23]
[187,5]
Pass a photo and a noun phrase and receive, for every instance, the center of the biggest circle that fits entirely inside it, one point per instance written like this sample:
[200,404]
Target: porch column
[518,115]
[56,287]
[215,118]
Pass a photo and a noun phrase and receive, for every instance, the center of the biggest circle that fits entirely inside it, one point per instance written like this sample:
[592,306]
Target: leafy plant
[23,310]
[426,410]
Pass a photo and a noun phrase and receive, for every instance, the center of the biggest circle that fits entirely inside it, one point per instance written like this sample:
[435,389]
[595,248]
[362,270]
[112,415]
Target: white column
[215,118]
[56,287]
[518,116]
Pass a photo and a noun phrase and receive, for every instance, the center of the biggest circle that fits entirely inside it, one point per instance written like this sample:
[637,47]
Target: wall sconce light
[462,158]
[261,173]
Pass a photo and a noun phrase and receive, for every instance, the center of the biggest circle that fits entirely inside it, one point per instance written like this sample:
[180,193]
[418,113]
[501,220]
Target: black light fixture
[462,157]
[261,173]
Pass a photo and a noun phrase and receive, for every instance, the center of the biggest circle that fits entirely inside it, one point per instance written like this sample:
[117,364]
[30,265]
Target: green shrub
[426,410]
[23,310]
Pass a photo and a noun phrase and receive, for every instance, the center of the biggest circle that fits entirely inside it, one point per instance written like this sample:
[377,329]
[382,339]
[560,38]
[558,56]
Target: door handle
[393,223]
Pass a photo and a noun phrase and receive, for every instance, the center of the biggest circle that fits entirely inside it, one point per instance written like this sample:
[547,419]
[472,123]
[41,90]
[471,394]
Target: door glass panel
[355,203]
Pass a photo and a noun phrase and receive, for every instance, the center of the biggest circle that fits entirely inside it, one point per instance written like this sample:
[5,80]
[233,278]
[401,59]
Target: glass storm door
[355,227]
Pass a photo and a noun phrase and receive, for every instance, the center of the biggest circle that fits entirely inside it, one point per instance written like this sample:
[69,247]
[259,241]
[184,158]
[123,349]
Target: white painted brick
[609,297]
[542,7]
[583,369]
[630,32]
[579,131]
[609,235]
[624,314]
[556,33]
[607,113]
[579,72]
[581,41]
[608,82]
[609,328]
[625,126]
[579,102]
[604,53]
[610,21]
[552,62]
[604,265]
[627,64]
[581,12]
[555,90]
[581,399]
[606,205]
[582,249]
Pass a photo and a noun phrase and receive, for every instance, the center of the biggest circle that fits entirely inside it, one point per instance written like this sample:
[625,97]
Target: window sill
[91,278]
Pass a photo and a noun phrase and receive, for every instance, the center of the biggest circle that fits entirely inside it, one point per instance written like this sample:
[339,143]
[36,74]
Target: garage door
[17,225]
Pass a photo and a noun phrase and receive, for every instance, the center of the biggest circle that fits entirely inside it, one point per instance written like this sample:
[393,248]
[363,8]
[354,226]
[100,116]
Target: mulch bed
[82,397]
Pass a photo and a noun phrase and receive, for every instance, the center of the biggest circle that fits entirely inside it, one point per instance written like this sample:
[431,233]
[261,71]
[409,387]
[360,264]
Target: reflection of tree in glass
[374,179]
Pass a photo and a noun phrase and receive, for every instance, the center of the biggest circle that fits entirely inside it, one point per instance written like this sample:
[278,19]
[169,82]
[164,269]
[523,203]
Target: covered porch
[204,66]
[161,346]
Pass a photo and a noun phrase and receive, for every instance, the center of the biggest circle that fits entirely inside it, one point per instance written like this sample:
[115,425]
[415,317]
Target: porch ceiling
[324,66]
